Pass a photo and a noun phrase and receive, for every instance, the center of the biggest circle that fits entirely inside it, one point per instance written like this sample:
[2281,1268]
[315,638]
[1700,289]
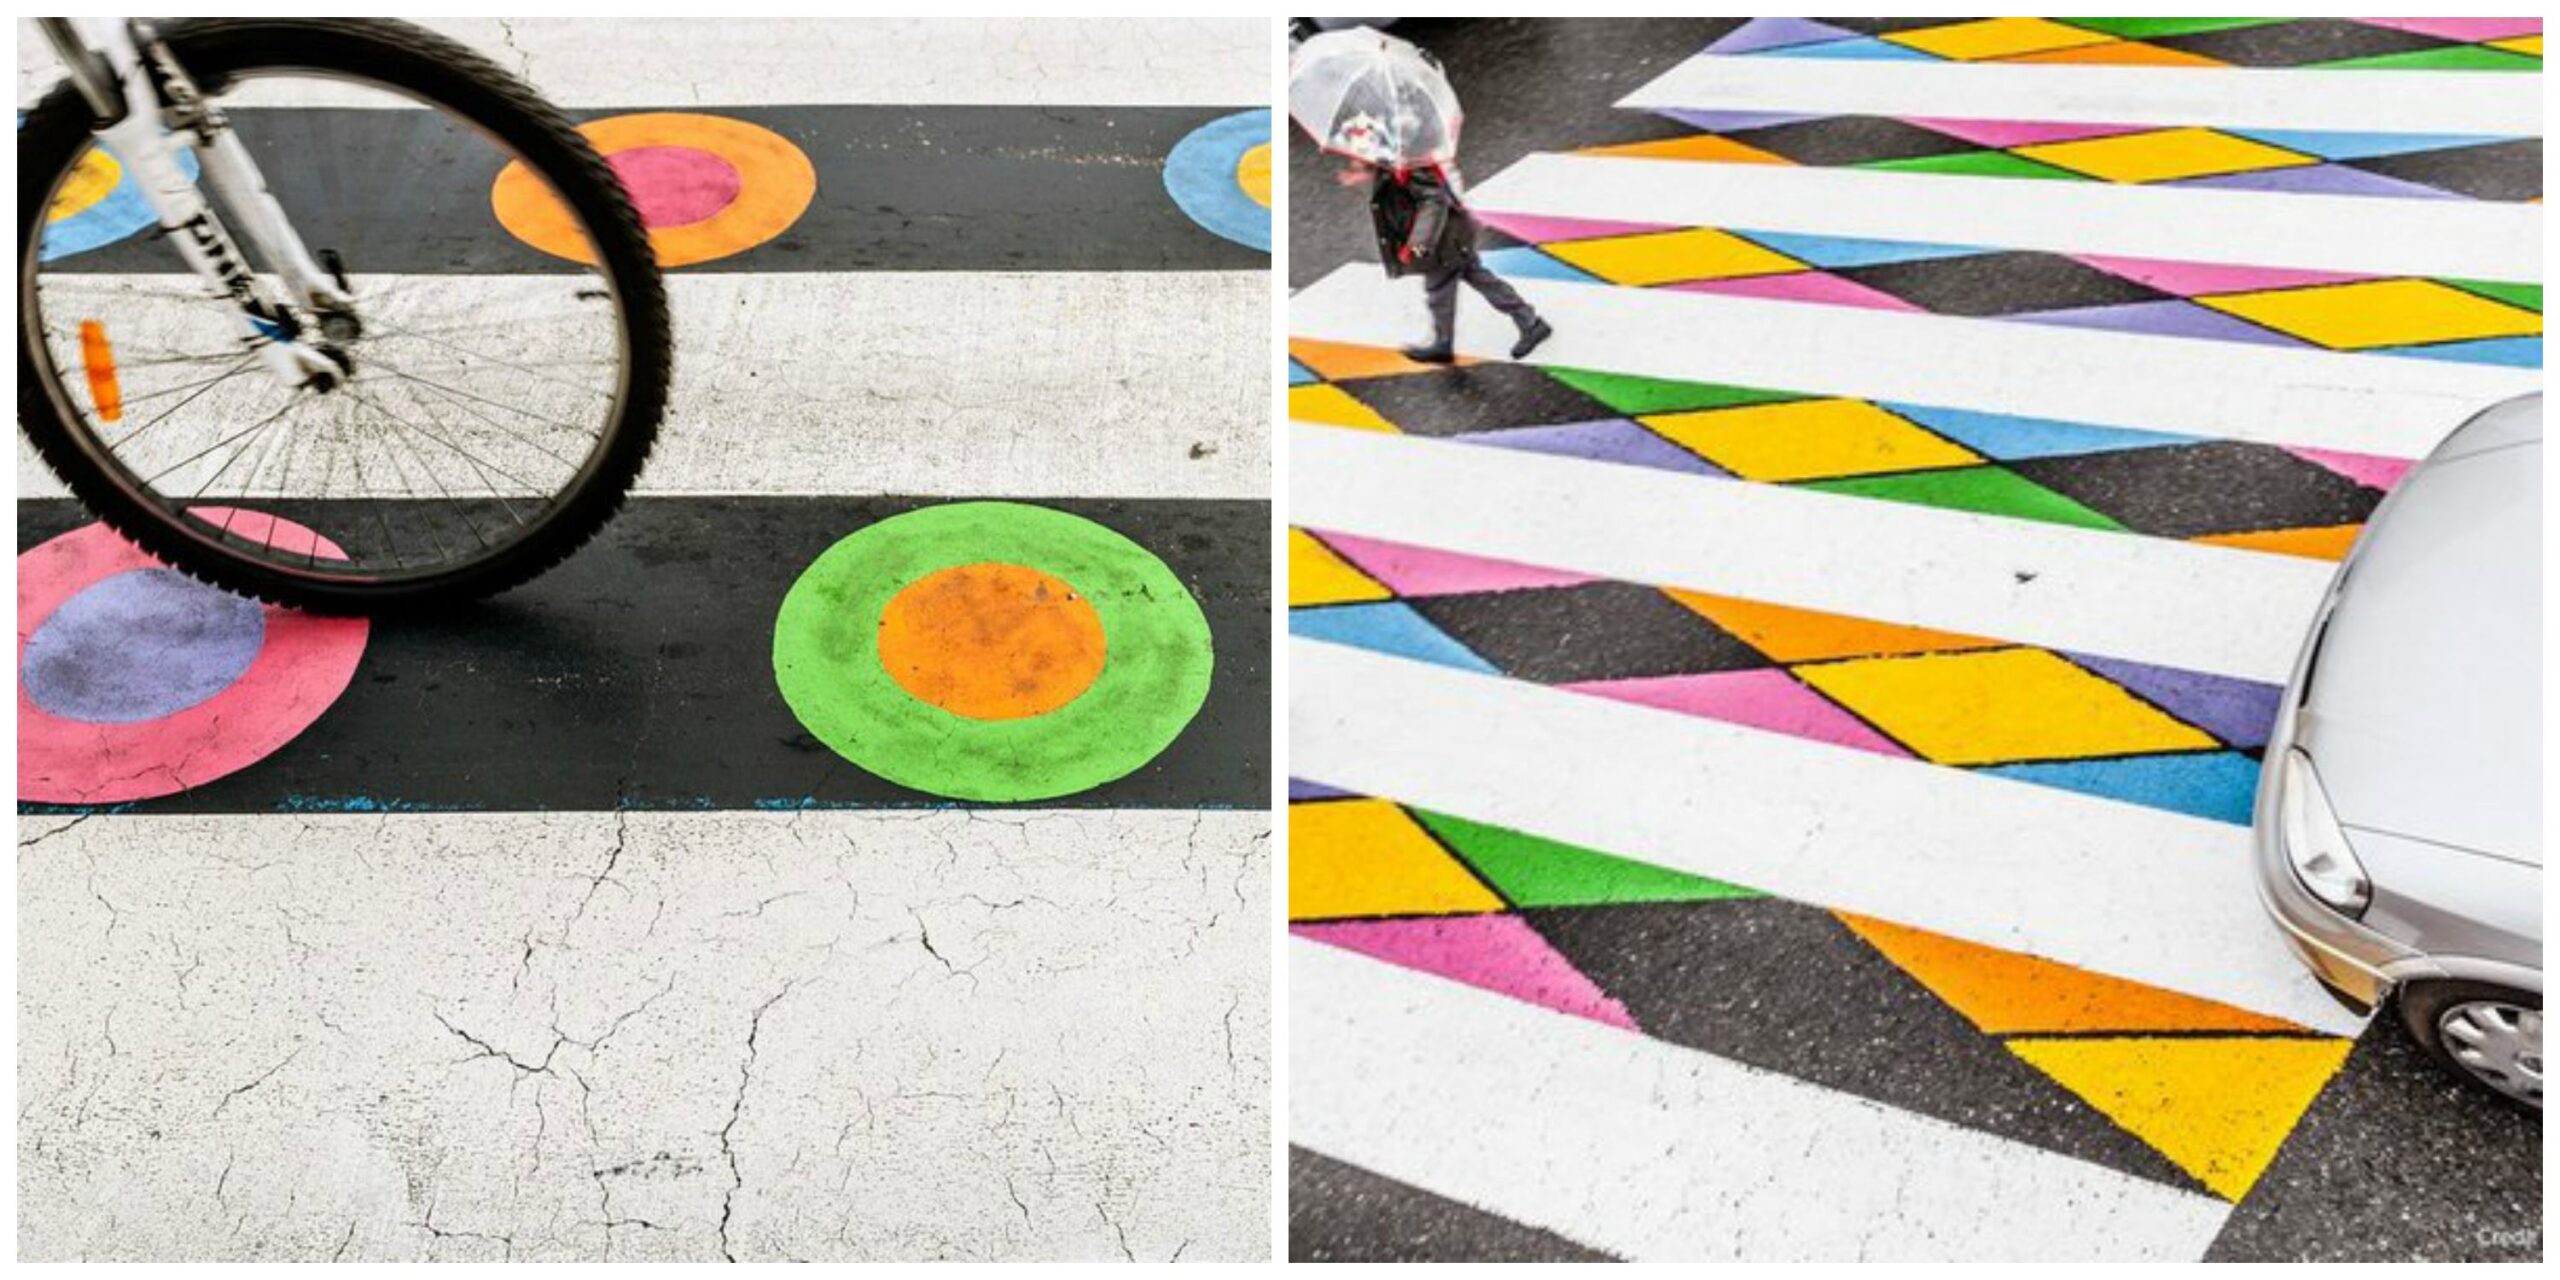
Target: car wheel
[2491,1036]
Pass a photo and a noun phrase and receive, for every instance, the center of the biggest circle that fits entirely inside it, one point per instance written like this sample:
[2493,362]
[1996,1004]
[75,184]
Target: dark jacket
[1419,210]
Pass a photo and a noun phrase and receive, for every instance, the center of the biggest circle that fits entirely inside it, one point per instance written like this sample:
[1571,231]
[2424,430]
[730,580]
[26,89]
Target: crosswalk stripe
[2485,240]
[2359,403]
[2155,897]
[1651,1151]
[2363,101]
[953,384]
[2195,607]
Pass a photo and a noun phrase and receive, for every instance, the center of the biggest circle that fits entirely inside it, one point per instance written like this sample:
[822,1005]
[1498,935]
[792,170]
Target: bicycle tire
[447,76]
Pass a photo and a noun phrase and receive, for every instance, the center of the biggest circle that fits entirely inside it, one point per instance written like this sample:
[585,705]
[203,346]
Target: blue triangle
[2515,353]
[1390,627]
[2362,146]
[2220,785]
[2008,438]
[1843,251]
[1300,375]
[1864,48]
[1525,263]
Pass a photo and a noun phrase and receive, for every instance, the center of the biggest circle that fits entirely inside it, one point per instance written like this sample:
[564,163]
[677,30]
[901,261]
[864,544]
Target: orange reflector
[100,361]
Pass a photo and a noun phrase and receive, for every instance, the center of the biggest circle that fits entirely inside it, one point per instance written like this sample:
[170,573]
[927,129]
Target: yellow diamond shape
[1996,38]
[1662,257]
[1318,576]
[1809,439]
[1999,707]
[1355,858]
[1330,405]
[2380,313]
[2163,155]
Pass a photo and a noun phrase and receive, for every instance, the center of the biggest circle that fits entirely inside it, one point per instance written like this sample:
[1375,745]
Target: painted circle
[99,203]
[132,685]
[992,641]
[1152,679]
[1210,174]
[706,187]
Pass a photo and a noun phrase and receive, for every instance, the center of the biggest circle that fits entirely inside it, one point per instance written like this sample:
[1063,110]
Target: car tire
[2435,1015]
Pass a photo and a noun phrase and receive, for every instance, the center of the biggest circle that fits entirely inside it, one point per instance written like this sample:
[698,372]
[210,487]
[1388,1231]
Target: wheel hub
[2499,1043]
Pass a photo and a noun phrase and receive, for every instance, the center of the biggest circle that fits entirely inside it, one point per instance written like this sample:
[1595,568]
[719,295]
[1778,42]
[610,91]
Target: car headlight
[2314,843]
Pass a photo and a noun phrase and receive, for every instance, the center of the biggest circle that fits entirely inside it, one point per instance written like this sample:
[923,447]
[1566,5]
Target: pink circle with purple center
[140,645]
[676,186]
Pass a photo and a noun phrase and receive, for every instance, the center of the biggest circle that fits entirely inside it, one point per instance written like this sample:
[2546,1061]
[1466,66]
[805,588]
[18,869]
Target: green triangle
[2460,57]
[1632,395]
[1532,871]
[2150,28]
[1988,164]
[2528,296]
[1989,490]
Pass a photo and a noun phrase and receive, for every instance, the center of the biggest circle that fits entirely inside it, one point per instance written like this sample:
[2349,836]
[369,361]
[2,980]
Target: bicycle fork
[149,108]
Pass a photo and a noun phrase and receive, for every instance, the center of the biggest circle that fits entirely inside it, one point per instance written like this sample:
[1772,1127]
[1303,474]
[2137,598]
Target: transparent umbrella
[1365,94]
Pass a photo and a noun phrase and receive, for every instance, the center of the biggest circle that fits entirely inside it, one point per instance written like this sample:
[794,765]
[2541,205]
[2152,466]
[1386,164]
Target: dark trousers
[1440,290]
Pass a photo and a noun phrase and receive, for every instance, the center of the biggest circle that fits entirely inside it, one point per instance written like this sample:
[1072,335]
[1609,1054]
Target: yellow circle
[991,641]
[776,183]
[89,182]
[1253,173]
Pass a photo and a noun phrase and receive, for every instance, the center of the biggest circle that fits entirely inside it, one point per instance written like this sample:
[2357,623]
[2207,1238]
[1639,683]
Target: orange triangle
[2330,543]
[2121,53]
[1704,146]
[1344,361]
[2007,993]
[2218,1107]
[1802,635]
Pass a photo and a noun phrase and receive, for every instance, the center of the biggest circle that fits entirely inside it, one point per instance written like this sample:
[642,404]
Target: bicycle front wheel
[499,401]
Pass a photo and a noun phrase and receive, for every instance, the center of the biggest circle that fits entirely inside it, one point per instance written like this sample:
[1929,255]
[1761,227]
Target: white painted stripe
[2179,604]
[2122,889]
[717,62]
[2239,98]
[1655,1152]
[2388,405]
[2475,239]
[1035,384]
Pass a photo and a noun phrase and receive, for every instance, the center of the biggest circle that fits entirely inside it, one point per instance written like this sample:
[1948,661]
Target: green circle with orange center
[992,651]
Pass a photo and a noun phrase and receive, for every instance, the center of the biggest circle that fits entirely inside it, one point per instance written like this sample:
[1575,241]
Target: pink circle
[299,672]
[676,186]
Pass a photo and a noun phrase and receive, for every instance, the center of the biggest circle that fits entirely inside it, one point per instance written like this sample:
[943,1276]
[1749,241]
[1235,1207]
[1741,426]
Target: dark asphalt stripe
[640,675]
[1788,988]
[899,189]
[2396,1161]
[1344,1213]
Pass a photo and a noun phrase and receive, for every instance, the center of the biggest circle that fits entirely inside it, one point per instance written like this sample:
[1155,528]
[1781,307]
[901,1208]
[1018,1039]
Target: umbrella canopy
[1365,94]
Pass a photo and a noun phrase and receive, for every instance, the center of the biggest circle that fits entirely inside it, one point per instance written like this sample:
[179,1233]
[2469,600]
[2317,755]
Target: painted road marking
[1651,1151]
[2242,98]
[706,187]
[2375,404]
[2467,239]
[966,384]
[2155,897]
[2191,606]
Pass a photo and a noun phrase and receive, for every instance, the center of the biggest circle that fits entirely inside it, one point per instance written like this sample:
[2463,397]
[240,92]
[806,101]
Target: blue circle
[1200,174]
[140,645]
[118,214]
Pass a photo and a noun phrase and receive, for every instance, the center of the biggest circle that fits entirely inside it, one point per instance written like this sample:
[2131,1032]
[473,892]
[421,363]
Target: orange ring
[776,184]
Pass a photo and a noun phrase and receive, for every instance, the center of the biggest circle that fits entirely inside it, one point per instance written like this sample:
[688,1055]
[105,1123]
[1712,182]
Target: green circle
[826,656]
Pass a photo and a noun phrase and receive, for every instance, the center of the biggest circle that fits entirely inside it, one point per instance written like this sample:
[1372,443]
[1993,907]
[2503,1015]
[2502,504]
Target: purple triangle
[2240,712]
[2318,179]
[1728,121]
[1777,33]
[2169,317]
[1500,954]
[1301,789]
[1609,440]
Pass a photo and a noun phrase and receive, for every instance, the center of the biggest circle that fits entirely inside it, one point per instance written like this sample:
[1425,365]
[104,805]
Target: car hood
[2423,711]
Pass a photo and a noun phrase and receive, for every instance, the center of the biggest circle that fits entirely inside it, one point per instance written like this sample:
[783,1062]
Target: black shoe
[1436,353]
[1531,334]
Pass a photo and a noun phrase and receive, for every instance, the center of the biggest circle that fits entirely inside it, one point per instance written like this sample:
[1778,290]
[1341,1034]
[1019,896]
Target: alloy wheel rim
[2499,1043]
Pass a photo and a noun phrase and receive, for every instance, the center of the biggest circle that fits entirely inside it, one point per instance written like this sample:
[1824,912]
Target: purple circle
[140,645]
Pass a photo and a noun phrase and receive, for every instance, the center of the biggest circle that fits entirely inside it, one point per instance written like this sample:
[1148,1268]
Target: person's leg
[1440,293]
[1508,301]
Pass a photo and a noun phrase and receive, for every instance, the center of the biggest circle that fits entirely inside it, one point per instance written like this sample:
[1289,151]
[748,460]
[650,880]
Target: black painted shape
[1343,1213]
[1476,397]
[1594,631]
[1847,140]
[1787,987]
[639,674]
[900,188]
[2000,284]
[2189,491]
[2395,1161]
[2510,170]
[2299,43]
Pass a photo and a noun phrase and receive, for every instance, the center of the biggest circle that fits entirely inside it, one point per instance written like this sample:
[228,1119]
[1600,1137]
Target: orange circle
[991,641]
[776,184]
